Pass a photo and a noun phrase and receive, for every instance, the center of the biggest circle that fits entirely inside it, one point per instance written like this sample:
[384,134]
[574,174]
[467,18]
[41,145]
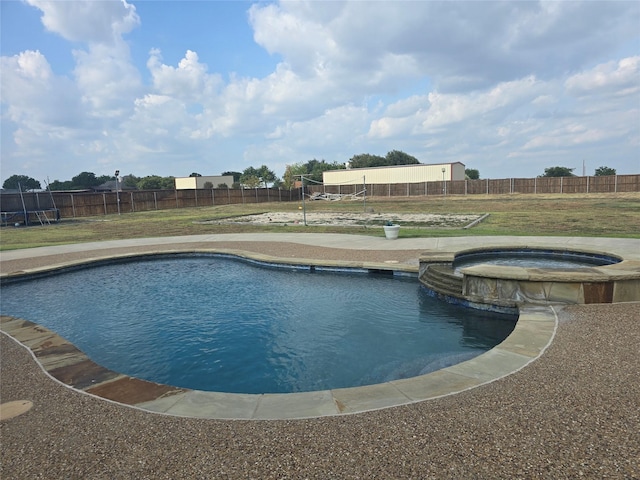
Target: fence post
[213,200]
[535,185]
[155,199]
[561,178]
[615,184]
[104,202]
[133,208]
[587,184]
[487,182]
[176,190]
[73,206]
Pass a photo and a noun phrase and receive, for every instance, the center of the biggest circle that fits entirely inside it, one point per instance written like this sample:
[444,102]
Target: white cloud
[91,22]
[188,81]
[484,83]
[107,79]
[619,78]
[37,96]
[465,45]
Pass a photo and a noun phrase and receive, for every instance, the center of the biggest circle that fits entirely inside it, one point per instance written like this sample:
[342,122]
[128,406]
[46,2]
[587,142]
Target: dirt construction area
[351,218]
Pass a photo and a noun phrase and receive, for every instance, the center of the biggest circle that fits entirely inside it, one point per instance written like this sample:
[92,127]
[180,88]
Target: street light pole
[304,205]
[444,185]
[117,191]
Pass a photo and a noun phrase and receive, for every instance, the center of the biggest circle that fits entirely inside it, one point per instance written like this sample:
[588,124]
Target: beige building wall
[185,183]
[191,183]
[396,174]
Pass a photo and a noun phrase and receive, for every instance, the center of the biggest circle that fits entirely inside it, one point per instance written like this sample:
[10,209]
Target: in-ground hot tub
[533,258]
[502,278]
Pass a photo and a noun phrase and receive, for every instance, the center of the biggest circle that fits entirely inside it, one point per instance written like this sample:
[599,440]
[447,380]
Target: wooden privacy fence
[83,204]
[605,184]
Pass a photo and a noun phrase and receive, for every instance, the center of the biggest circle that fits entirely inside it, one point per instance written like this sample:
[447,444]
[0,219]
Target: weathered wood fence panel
[82,204]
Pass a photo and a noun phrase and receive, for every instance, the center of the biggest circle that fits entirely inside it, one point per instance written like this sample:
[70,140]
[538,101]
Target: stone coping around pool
[65,363]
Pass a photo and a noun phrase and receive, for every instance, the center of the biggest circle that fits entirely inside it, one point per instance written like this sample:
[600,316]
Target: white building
[192,183]
[395,174]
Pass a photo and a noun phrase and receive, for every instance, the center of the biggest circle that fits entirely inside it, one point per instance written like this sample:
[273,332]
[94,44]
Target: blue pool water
[221,324]
[532,258]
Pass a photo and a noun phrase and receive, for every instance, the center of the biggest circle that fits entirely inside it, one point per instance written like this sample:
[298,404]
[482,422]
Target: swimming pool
[219,324]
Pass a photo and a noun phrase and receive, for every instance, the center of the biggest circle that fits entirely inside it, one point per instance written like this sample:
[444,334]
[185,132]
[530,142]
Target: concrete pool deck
[349,250]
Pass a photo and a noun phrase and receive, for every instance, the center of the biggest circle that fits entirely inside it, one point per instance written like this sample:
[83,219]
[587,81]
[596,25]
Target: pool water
[533,259]
[221,324]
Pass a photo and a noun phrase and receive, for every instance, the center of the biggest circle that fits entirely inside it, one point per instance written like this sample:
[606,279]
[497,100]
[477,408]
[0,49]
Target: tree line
[309,172]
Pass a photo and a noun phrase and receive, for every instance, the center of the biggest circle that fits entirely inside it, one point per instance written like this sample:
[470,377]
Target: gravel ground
[574,413]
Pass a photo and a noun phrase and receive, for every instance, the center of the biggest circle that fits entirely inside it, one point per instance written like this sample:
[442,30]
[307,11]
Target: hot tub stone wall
[514,286]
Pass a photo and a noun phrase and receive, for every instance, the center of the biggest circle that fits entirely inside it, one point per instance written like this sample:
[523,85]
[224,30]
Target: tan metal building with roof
[396,174]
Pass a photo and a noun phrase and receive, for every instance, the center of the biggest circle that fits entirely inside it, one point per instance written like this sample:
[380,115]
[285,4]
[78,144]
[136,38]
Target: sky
[174,87]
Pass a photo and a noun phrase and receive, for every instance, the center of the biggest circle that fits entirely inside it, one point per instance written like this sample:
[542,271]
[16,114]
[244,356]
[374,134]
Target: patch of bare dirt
[351,219]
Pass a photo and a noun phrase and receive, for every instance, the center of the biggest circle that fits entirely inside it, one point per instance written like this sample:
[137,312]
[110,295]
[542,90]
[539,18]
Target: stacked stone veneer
[514,286]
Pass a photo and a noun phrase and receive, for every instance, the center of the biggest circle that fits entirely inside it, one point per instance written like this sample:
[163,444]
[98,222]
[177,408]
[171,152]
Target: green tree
[208,185]
[317,168]
[312,171]
[291,173]
[250,177]
[471,173]
[130,181]
[365,160]
[604,171]
[558,172]
[398,157]
[194,174]
[57,185]
[23,181]
[168,183]
[251,181]
[266,176]
[150,182]
[236,175]
[85,180]
[102,179]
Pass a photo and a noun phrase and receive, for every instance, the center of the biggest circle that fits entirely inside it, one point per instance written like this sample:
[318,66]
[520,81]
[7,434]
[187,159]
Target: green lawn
[594,215]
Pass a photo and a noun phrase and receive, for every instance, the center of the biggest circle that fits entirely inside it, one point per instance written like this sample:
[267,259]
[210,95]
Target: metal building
[396,174]
[192,183]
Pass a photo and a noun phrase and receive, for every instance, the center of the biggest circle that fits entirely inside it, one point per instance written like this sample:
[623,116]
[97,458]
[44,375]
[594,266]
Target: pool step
[441,279]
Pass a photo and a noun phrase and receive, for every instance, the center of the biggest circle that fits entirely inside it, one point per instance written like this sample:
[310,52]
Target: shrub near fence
[83,204]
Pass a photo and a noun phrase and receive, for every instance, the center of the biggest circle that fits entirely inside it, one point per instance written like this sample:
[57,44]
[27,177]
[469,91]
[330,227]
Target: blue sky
[170,88]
